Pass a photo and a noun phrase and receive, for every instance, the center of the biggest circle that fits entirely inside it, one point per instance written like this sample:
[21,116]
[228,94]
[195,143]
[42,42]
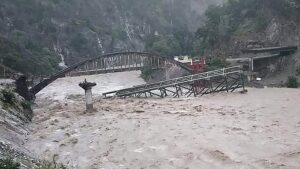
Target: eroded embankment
[15,115]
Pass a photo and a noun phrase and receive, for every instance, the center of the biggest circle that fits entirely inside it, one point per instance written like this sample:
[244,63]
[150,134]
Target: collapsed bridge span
[226,79]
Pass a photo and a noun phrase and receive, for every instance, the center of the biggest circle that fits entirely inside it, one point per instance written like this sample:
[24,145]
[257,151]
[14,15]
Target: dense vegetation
[34,34]
[292,82]
[177,43]
[9,100]
[227,24]
[146,73]
[241,24]
[32,59]
[10,163]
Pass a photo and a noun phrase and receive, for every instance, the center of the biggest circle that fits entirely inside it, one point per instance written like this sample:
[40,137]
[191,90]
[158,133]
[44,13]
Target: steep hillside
[245,24]
[15,115]
[240,24]
[42,33]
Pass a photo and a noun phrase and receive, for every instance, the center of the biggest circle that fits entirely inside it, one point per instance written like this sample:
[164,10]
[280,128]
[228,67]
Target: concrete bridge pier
[87,86]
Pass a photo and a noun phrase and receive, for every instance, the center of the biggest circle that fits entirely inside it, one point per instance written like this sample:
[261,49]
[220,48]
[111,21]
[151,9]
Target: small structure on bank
[260,61]
[87,86]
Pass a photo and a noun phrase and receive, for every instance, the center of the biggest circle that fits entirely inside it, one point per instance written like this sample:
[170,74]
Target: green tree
[292,82]
[9,163]
[165,45]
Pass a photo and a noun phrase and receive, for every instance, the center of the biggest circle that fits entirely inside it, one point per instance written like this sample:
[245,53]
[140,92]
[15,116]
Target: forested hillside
[240,24]
[36,34]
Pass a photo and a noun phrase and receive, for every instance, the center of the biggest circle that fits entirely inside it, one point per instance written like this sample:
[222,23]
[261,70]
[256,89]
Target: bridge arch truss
[114,62]
[119,62]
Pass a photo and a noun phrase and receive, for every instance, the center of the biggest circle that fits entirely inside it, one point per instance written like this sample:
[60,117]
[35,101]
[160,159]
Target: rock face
[283,32]
[76,29]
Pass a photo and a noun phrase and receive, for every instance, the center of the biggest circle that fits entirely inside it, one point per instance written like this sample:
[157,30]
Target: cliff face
[50,31]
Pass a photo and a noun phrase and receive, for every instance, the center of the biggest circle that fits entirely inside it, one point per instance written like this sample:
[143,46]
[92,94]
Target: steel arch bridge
[113,62]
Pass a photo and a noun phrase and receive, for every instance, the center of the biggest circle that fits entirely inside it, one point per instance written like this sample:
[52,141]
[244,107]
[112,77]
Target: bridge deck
[272,49]
[227,79]
[107,70]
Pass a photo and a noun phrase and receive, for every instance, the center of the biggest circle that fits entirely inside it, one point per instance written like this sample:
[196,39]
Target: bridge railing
[177,81]
[271,49]
[182,81]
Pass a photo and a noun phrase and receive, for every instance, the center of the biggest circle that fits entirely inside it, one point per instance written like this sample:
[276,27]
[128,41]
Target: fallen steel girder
[226,79]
